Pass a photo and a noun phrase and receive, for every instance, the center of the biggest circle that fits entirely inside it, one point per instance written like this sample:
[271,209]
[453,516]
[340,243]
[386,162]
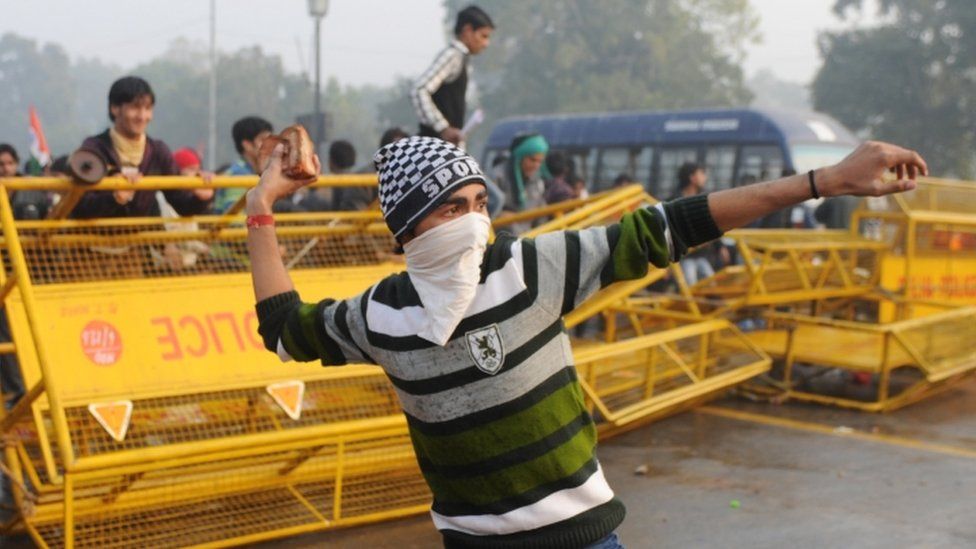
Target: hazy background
[896,69]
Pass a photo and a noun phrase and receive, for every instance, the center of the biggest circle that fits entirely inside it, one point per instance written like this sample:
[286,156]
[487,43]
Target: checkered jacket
[448,66]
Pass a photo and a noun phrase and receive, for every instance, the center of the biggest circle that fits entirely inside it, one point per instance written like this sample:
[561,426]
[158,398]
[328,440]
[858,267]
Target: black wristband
[813,186]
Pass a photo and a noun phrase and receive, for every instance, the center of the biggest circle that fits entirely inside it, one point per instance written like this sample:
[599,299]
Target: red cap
[186,157]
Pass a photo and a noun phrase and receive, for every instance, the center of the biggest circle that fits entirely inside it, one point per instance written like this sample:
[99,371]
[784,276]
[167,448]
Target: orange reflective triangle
[113,417]
[288,395]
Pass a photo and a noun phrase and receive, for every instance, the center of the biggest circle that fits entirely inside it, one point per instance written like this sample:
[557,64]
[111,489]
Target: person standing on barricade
[440,94]
[472,337]
[128,150]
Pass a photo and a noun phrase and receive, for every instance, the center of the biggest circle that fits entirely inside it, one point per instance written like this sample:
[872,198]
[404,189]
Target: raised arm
[290,328]
[268,273]
[860,174]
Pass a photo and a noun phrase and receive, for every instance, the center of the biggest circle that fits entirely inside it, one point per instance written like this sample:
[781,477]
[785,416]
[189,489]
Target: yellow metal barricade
[645,362]
[902,361]
[646,377]
[932,235]
[881,300]
[780,267]
[155,417]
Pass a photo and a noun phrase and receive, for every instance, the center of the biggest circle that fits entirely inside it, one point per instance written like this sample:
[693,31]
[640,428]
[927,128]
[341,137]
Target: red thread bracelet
[264,220]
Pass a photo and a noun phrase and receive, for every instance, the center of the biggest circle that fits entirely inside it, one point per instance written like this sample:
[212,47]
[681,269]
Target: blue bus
[738,146]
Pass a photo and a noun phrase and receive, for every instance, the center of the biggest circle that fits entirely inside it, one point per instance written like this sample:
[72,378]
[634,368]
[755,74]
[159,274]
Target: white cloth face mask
[444,265]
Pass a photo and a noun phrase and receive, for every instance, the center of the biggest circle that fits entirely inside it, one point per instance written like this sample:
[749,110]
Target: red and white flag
[38,146]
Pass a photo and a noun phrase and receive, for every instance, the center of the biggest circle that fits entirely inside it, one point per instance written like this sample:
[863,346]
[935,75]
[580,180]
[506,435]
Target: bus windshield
[811,156]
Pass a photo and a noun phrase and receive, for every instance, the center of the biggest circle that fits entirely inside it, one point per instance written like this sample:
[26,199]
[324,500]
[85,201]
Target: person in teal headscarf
[523,174]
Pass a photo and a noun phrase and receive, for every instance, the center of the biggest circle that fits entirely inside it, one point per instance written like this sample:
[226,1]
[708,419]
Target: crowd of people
[128,150]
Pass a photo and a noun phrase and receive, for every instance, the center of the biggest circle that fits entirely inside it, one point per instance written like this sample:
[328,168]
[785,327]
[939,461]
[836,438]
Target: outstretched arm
[860,174]
[268,273]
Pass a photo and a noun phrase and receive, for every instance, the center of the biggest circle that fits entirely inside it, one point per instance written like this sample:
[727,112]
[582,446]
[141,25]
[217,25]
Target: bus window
[641,168]
[669,160]
[759,163]
[720,163]
[634,162]
[584,165]
[489,160]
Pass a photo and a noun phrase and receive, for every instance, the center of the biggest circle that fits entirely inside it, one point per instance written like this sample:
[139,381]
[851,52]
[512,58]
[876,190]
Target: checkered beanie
[416,175]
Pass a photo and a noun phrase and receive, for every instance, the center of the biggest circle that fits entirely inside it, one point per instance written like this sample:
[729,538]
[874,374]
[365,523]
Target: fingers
[278,152]
[901,186]
[204,194]
[318,171]
[274,161]
[906,162]
[882,188]
[123,197]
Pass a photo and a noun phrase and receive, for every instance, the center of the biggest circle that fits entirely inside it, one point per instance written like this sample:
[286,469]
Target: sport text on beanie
[416,175]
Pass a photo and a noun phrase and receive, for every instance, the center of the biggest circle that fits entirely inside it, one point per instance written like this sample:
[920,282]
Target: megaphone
[86,167]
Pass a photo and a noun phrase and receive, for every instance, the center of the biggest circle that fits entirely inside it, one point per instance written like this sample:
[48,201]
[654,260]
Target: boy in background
[439,94]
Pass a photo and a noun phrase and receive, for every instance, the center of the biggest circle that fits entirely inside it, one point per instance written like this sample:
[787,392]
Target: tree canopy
[72,99]
[911,79]
[32,74]
[547,56]
[575,55]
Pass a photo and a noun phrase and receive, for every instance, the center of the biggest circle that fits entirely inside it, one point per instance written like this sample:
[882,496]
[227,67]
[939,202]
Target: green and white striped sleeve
[323,331]
[573,265]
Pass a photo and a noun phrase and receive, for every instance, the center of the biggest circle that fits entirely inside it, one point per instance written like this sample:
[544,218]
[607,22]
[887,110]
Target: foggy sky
[363,41]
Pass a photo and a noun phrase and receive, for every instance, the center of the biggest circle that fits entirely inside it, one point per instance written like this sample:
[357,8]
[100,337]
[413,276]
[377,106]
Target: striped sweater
[497,415]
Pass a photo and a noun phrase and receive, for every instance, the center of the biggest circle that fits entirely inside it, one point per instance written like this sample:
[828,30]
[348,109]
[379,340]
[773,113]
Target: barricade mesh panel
[946,343]
[942,210]
[793,261]
[226,499]
[214,415]
[634,381]
[938,196]
[124,249]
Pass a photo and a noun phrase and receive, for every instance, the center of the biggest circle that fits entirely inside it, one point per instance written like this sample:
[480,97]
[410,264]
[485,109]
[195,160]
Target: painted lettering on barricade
[207,334]
[169,336]
[949,278]
[940,287]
